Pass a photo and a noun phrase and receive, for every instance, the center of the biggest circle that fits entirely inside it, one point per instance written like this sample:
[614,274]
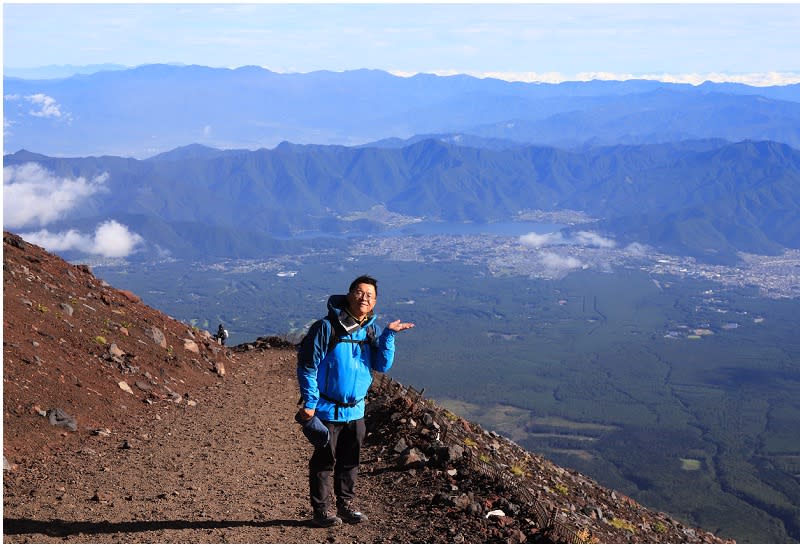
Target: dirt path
[232,469]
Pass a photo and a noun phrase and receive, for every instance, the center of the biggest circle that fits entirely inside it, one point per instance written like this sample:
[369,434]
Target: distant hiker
[334,367]
[222,334]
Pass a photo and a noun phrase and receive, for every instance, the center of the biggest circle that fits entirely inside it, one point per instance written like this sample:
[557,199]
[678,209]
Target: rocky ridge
[85,355]
[123,425]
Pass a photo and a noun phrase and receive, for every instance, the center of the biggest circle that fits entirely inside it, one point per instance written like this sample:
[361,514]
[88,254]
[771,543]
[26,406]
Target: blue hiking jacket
[335,383]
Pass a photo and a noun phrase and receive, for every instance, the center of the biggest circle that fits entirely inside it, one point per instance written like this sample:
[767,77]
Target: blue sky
[754,43]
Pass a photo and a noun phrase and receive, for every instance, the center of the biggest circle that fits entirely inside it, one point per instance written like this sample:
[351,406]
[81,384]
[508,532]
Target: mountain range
[710,199]
[143,111]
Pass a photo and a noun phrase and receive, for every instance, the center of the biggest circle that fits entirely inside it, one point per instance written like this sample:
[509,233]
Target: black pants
[340,457]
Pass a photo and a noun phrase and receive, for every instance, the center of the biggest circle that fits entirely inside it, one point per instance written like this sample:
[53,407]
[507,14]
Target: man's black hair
[366,279]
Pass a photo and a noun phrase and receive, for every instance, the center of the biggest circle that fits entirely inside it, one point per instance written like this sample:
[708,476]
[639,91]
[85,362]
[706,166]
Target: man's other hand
[398,326]
[304,414]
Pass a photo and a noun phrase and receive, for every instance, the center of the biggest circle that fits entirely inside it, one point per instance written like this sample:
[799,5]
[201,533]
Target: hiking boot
[323,520]
[349,514]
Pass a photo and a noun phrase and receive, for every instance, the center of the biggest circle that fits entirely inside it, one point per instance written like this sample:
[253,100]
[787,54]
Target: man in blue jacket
[334,372]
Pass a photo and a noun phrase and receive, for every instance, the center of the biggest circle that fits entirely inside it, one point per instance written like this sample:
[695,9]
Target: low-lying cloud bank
[36,197]
[556,262]
[111,239]
[32,195]
[556,253]
[586,239]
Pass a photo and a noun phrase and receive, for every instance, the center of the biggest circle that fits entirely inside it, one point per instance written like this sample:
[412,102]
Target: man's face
[361,300]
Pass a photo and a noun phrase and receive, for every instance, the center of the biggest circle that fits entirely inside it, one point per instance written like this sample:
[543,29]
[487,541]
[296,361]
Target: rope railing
[452,433]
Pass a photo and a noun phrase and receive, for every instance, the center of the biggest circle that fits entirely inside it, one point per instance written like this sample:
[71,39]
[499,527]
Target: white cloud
[111,239]
[55,242]
[591,239]
[114,239]
[47,106]
[34,195]
[584,239]
[542,240]
[556,261]
[637,249]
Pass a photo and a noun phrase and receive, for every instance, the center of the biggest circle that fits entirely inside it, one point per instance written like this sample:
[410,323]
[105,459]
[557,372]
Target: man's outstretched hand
[398,326]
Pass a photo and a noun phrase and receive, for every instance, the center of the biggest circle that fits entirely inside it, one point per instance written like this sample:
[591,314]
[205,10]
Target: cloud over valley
[36,197]
[111,239]
[583,238]
[555,264]
[39,105]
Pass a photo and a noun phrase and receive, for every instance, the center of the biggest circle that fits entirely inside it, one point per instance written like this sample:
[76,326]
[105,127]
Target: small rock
[400,446]
[14,240]
[101,497]
[124,331]
[495,513]
[129,296]
[412,458]
[58,417]
[123,385]
[455,452]
[462,502]
[516,536]
[190,345]
[474,508]
[449,453]
[66,308]
[219,368]
[102,432]
[115,351]
[157,336]
[504,520]
[593,511]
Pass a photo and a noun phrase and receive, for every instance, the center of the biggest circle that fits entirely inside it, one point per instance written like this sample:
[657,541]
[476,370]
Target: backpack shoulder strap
[371,338]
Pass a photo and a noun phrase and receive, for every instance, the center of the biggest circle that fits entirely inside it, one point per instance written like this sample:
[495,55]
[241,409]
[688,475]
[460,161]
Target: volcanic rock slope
[122,425]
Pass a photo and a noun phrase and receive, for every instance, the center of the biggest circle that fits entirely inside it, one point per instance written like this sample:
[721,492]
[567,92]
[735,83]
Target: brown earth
[203,448]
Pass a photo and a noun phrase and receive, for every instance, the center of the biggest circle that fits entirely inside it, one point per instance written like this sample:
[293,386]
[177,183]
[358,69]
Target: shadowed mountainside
[707,199]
